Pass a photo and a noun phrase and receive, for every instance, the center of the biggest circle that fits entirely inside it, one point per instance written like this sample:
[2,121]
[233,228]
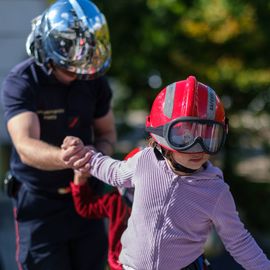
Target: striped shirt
[173,215]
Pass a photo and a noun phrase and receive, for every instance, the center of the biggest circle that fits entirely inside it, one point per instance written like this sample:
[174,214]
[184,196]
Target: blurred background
[224,43]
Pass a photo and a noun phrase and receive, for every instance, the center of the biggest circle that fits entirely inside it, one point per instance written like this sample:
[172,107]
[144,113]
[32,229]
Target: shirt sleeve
[104,98]
[17,96]
[237,240]
[114,172]
[86,203]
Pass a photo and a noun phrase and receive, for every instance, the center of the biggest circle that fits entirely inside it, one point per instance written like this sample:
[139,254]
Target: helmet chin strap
[180,168]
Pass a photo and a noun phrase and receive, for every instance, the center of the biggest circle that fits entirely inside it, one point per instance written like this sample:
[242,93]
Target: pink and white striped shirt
[172,215]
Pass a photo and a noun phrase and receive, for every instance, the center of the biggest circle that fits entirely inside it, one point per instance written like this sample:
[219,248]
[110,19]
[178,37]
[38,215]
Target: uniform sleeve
[103,103]
[237,240]
[114,172]
[17,96]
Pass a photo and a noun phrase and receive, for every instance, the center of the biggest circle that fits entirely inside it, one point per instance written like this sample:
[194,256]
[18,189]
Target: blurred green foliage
[225,43]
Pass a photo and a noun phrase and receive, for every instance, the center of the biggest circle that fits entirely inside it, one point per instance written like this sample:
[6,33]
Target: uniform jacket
[63,110]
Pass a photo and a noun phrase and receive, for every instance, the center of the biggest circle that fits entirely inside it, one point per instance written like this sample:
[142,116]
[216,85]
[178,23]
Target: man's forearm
[40,155]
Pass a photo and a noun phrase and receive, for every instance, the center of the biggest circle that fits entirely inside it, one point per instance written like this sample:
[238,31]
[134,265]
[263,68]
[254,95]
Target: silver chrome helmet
[74,35]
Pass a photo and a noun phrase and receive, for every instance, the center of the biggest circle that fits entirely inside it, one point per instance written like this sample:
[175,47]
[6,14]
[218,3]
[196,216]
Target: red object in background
[111,206]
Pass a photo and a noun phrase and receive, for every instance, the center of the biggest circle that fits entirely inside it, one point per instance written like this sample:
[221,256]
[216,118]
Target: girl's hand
[75,155]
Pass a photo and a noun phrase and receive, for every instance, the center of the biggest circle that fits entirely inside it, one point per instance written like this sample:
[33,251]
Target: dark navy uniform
[50,233]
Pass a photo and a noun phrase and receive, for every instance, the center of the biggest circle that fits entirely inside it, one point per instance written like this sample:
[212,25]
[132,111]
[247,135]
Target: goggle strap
[157,130]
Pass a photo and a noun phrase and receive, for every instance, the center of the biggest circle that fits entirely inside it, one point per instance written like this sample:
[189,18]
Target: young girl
[179,195]
[116,206]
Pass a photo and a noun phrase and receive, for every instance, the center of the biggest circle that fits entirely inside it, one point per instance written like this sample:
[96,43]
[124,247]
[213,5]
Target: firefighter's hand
[75,154]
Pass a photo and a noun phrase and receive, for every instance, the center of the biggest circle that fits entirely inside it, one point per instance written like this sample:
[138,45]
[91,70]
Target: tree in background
[224,43]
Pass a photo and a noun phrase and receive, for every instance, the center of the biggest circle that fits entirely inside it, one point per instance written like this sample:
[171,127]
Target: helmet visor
[69,48]
[80,53]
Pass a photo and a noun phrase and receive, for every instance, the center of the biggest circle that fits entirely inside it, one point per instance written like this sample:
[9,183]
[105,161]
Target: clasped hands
[76,155]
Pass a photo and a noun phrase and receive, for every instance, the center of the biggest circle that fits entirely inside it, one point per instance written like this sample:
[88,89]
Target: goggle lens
[184,134]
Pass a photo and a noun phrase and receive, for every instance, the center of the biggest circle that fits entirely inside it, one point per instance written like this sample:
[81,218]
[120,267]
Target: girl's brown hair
[166,153]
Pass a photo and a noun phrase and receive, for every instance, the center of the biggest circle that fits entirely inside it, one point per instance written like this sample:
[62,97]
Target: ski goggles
[185,133]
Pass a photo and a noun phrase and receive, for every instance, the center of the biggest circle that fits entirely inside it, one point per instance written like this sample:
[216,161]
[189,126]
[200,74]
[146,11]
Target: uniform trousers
[50,235]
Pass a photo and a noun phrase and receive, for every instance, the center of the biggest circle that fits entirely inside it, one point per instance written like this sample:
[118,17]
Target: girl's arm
[105,168]
[114,172]
[237,240]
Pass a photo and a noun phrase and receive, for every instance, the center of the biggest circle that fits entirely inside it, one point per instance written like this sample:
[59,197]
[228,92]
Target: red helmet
[188,116]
